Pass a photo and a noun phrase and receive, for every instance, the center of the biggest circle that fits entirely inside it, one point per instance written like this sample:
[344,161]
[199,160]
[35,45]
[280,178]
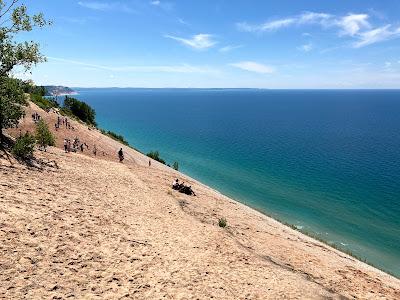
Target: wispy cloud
[199,41]
[252,66]
[305,18]
[167,6]
[376,35]
[306,47]
[183,68]
[229,48]
[107,6]
[356,26]
[353,23]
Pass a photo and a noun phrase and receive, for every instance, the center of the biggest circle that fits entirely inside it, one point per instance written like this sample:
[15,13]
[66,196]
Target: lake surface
[325,161]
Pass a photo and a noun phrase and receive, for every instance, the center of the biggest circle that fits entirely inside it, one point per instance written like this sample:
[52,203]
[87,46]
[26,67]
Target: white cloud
[376,35]
[313,18]
[229,48]
[106,6]
[198,41]
[268,26]
[353,23]
[252,66]
[306,47]
[167,6]
[305,18]
[183,68]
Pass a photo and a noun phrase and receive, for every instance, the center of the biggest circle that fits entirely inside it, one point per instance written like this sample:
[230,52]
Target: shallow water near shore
[327,161]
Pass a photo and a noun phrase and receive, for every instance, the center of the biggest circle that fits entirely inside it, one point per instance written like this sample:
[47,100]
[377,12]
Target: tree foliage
[24,146]
[81,110]
[12,99]
[44,137]
[14,19]
[156,156]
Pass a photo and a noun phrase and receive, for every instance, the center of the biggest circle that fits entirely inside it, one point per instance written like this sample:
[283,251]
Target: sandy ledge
[85,227]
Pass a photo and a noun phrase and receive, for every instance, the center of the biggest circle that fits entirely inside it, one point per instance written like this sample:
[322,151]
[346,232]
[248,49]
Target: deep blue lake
[326,161]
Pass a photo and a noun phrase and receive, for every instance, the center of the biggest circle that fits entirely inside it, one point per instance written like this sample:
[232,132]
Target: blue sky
[220,43]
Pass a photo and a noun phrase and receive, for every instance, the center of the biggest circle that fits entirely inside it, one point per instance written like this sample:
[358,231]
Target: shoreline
[261,238]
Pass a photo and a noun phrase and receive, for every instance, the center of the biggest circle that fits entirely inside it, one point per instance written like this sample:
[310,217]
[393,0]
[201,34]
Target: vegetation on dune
[175,166]
[42,102]
[12,100]
[24,146]
[14,20]
[44,137]
[80,109]
[156,156]
[222,222]
[115,136]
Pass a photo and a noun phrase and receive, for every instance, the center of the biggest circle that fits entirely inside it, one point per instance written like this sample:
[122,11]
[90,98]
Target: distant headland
[53,90]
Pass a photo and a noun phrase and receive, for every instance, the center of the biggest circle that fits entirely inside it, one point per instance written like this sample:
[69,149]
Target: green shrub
[80,109]
[24,146]
[116,137]
[222,222]
[43,103]
[156,156]
[44,137]
[175,166]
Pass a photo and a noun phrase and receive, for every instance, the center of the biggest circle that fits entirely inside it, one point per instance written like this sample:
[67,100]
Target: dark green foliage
[43,103]
[44,137]
[14,52]
[24,146]
[80,109]
[14,19]
[222,222]
[30,88]
[156,156]
[116,137]
[175,166]
[12,100]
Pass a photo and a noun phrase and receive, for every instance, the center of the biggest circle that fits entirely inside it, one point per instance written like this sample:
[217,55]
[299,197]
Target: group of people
[75,145]
[182,188]
[63,121]
[35,117]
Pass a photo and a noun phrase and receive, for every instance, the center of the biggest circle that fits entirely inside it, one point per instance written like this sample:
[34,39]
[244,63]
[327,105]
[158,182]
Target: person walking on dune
[121,155]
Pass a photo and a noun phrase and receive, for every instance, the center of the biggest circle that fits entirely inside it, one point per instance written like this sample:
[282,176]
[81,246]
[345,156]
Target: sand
[79,226]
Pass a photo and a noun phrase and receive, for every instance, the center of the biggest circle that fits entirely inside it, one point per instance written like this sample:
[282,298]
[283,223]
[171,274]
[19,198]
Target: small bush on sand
[222,222]
[156,156]
[175,166]
[117,137]
[44,137]
[24,146]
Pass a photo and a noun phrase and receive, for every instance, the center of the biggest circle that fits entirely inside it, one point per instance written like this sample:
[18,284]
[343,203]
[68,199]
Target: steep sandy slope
[88,227]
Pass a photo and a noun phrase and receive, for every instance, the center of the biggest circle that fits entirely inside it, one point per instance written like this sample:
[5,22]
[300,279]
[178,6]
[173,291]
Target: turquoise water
[327,162]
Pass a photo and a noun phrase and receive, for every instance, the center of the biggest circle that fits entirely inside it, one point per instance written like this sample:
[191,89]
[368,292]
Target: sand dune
[79,226]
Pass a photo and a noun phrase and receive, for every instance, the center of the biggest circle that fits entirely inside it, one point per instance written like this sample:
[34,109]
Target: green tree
[81,110]
[12,100]
[14,19]
[23,147]
[44,137]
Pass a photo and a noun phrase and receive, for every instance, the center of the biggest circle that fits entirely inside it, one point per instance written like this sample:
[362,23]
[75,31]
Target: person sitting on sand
[175,184]
[121,155]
